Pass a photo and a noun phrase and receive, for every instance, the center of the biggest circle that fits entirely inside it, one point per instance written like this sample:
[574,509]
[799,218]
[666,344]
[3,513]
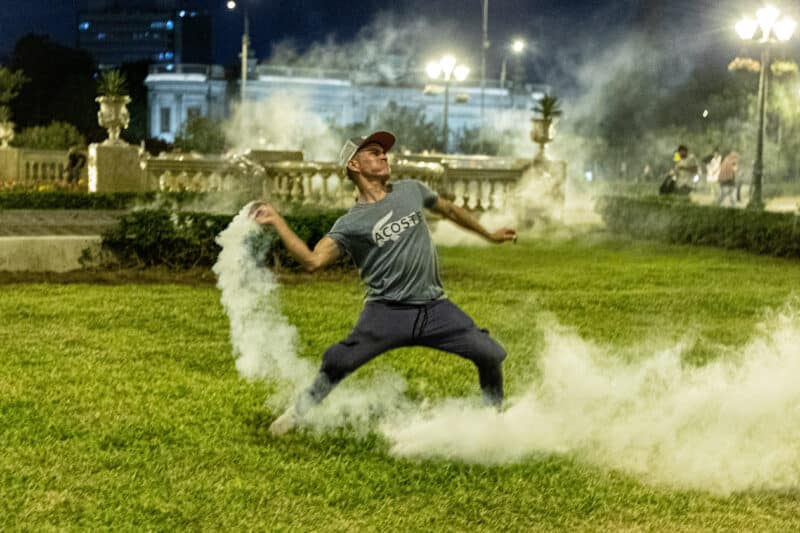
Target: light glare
[448,63]
[518,46]
[461,72]
[231,4]
[746,28]
[784,28]
[767,16]
[433,69]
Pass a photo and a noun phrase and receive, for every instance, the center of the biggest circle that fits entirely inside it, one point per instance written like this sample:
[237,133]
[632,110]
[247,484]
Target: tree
[61,87]
[54,136]
[136,73]
[10,84]
[201,134]
[410,126]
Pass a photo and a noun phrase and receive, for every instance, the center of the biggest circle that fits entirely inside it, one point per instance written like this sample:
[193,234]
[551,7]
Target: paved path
[31,222]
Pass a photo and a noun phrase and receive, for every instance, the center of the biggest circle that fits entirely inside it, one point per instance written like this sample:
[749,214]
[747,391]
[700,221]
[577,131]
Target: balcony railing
[210,71]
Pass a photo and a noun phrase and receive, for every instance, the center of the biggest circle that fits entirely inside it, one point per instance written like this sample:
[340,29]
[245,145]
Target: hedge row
[78,200]
[181,240]
[679,221]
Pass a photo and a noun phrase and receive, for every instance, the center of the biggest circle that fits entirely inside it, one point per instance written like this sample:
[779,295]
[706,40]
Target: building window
[166,127]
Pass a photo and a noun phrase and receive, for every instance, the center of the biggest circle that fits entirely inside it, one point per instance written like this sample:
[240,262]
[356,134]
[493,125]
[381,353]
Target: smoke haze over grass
[731,425]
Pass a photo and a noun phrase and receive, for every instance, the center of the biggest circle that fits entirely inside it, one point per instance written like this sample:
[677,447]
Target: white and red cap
[354,144]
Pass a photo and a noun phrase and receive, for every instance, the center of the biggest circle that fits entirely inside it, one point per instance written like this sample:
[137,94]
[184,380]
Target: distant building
[333,95]
[145,32]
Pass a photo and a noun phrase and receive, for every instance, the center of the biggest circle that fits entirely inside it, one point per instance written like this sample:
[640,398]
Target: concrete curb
[45,253]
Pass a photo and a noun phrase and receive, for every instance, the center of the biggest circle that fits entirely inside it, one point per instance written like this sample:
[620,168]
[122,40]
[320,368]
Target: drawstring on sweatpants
[422,312]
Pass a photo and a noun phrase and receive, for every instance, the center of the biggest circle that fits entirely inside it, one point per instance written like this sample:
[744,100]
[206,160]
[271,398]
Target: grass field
[120,407]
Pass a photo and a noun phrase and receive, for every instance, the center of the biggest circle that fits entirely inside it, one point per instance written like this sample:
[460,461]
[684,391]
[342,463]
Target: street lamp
[517,47]
[773,28]
[446,69]
[245,44]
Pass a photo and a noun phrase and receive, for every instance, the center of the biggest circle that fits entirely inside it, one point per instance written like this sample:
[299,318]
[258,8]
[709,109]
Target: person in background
[727,179]
[685,170]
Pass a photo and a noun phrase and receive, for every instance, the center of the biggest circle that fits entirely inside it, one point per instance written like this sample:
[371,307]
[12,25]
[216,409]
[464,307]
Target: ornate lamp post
[773,28]
[245,44]
[446,69]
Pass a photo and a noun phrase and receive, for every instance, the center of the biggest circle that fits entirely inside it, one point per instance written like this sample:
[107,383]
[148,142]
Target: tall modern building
[156,31]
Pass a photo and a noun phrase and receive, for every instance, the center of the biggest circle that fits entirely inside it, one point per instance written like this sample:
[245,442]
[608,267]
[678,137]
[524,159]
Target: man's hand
[502,235]
[265,213]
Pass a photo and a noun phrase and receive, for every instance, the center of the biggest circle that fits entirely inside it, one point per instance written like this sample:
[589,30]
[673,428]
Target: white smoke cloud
[386,50]
[264,342]
[282,121]
[731,425]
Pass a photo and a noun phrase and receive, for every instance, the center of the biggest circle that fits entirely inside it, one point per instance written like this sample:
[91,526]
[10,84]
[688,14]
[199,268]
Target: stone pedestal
[9,165]
[115,168]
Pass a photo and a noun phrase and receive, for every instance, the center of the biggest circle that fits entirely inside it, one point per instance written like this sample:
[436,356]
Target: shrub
[112,83]
[682,222]
[187,239]
[54,136]
[26,199]
[67,200]
[201,134]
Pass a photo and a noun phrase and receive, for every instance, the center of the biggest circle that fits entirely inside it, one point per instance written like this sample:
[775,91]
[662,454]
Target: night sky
[306,21]
[556,25]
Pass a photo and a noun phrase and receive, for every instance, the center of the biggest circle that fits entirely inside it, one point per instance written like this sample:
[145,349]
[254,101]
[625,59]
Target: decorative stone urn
[6,133]
[113,116]
[542,132]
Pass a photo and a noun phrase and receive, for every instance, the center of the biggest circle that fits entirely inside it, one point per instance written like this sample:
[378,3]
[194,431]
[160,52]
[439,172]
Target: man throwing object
[386,235]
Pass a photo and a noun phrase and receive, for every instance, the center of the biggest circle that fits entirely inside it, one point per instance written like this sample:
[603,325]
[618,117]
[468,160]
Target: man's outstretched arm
[463,218]
[325,252]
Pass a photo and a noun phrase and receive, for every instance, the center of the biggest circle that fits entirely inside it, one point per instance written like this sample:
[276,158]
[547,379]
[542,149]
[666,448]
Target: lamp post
[517,47]
[446,69]
[245,45]
[484,49]
[773,28]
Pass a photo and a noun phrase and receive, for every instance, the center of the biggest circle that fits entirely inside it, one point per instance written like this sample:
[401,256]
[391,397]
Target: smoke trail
[282,121]
[264,343]
[731,425]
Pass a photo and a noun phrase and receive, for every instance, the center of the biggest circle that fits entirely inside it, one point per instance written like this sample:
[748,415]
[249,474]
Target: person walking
[405,305]
[727,179]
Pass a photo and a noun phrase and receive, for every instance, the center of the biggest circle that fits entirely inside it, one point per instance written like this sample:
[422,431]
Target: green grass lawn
[120,407]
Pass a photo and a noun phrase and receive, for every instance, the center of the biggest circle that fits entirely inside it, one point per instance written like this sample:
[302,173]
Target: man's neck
[371,191]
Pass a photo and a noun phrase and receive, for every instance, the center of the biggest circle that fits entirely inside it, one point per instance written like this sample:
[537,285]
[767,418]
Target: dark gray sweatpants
[384,326]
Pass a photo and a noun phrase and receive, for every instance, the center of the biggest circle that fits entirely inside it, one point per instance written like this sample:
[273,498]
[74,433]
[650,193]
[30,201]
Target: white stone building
[175,91]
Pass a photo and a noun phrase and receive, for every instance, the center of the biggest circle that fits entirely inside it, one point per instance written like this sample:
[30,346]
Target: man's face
[683,153]
[371,162]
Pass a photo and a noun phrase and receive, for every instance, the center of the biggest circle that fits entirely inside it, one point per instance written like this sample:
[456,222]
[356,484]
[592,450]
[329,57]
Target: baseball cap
[354,144]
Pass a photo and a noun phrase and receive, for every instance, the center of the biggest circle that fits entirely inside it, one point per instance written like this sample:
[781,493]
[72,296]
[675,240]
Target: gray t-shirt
[392,246]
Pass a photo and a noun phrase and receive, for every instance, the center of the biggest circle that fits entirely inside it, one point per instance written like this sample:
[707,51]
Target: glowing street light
[245,44]
[516,47]
[447,69]
[773,28]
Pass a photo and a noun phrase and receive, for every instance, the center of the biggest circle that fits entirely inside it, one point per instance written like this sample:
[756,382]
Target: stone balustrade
[25,167]
[325,184]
